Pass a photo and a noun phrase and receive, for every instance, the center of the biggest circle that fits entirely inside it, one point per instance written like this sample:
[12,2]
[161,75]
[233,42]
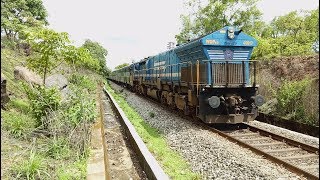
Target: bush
[42,100]
[289,97]
[81,107]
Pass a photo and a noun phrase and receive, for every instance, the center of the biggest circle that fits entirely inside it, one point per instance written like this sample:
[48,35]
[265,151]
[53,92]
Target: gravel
[209,154]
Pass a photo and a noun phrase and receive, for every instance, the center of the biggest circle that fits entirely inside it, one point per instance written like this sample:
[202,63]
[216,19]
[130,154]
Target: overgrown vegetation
[172,162]
[45,132]
[42,100]
[290,101]
[31,168]
[62,133]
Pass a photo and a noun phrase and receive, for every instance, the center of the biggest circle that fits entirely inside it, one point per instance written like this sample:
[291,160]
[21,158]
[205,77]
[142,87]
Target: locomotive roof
[218,38]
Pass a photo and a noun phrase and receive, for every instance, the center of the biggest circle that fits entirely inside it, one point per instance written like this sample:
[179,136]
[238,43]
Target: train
[210,77]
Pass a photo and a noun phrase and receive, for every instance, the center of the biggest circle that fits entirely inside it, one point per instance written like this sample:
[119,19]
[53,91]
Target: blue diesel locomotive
[210,77]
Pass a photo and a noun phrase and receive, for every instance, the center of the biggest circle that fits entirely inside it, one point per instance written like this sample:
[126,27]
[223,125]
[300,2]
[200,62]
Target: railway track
[297,157]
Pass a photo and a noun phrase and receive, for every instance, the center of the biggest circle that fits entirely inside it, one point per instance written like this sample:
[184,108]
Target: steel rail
[306,147]
[290,167]
[287,165]
[148,163]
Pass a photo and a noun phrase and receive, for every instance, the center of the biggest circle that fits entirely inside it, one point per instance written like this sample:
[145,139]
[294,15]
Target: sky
[134,29]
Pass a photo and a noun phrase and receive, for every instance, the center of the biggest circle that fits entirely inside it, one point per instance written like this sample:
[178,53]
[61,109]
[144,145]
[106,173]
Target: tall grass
[32,168]
[17,124]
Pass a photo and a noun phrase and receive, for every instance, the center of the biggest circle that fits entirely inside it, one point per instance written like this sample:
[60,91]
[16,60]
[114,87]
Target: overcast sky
[134,29]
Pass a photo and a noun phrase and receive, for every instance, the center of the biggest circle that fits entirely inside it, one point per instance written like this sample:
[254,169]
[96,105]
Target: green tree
[52,49]
[122,65]
[98,52]
[205,18]
[294,33]
[17,15]
[49,44]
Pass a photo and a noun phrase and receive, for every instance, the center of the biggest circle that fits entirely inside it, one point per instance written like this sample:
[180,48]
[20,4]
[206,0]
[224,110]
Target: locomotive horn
[238,32]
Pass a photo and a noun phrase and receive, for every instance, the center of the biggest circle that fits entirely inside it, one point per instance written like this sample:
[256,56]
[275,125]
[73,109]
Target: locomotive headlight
[230,32]
[214,101]
[259,100]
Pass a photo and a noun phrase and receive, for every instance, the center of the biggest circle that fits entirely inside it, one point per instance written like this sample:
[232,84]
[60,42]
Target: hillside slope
[60,149]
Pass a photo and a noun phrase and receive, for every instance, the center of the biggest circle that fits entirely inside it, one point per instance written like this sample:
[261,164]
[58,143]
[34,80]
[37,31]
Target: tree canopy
[122,65]
[17,15]
[205,17]
[295,33]
[98,52]
[53,48]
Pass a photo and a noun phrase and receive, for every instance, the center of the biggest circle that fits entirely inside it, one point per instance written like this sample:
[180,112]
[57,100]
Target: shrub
[80,108]
[42,100]
[289,97]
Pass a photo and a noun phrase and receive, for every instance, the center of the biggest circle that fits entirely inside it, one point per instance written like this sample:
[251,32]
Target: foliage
[63,145]
[19,104]
[58,148]
[98,52]
[80,57]
[205,17]
[289,97]
[122,65]
[42,100]
[33,168]
[82,109]
[295,33]
[17,124]
[77,170]
[82,81]
[54,48]
[7,43]
[49,44]
[17,15]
